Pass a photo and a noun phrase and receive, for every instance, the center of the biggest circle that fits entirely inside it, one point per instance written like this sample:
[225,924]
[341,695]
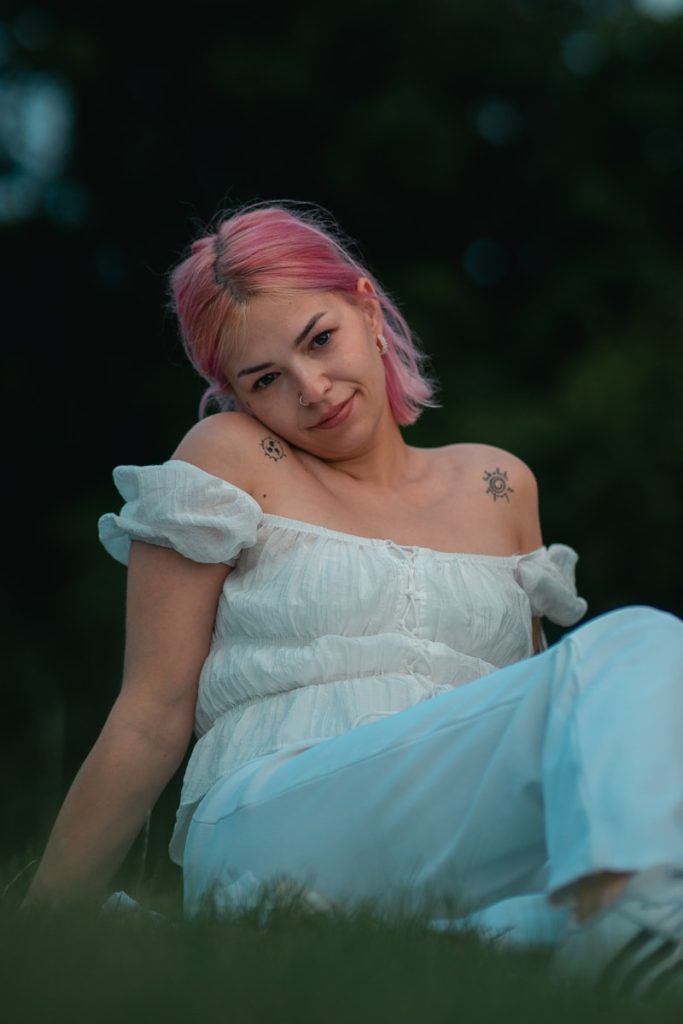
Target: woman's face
[322,346]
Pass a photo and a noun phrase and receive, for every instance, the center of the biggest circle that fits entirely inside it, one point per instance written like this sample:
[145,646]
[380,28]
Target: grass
[84,965]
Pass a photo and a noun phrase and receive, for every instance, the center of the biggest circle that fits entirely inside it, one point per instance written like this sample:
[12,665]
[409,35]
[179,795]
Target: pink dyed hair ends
[268,247]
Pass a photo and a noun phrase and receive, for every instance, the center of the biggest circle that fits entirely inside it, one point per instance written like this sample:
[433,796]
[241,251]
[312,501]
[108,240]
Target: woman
[348,621]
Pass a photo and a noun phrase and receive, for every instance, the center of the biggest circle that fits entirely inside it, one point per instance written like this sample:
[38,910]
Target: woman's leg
[556,768]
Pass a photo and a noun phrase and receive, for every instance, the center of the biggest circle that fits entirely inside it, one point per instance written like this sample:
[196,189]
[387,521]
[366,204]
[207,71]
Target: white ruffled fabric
[169,506]
[319,631]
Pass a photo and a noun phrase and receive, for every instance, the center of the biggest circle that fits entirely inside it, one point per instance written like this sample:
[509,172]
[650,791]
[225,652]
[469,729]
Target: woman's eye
[265,381]
[322,339]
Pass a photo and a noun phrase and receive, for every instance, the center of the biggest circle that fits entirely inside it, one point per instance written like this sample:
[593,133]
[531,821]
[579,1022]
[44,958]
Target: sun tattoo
[273,449]
[498,485]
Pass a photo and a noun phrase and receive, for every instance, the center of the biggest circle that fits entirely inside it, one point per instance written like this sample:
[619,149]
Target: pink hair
[268,248]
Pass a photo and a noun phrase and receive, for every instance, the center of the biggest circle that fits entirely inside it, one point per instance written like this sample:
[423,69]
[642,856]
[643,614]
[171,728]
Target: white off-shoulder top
[319,631]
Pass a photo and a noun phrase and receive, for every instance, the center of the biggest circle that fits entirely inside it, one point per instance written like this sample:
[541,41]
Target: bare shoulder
[495,464]
[231,445]
[501,479]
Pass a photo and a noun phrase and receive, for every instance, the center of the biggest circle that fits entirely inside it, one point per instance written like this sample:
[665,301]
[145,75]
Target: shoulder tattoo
[498,486]
[273,449]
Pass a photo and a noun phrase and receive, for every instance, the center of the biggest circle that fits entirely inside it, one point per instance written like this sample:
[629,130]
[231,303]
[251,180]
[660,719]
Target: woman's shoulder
[492,460]
[496,478]
[229,445]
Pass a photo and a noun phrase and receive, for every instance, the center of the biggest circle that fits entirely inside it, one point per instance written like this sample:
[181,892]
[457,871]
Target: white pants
[522,782]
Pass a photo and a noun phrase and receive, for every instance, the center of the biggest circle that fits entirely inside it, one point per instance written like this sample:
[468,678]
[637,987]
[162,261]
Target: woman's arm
[170,613]
[530,534]
[537,635]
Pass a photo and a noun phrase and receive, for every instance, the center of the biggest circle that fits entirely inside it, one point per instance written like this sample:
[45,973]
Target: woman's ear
[364,286]
[369,302]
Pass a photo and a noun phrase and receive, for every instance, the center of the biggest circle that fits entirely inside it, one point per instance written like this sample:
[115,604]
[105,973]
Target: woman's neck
[385,463]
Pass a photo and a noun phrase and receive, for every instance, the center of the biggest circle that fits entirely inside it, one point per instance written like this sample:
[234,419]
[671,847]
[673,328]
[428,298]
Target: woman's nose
[312,386]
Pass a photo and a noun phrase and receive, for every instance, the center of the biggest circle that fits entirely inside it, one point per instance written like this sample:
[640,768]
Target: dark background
[511,172]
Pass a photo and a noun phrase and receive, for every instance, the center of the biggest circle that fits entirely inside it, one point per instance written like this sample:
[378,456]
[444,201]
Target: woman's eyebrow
[297,341]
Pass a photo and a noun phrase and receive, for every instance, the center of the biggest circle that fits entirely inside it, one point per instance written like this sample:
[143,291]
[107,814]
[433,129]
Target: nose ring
[301,400]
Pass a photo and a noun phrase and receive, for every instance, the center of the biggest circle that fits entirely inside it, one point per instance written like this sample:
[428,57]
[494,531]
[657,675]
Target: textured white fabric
[171,506]
[319,631]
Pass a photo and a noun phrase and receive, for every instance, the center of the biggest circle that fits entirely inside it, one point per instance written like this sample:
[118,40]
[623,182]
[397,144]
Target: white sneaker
[634,946]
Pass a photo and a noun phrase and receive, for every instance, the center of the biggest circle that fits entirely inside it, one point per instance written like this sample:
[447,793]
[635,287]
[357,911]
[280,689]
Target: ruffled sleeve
[177,505]
[547,576]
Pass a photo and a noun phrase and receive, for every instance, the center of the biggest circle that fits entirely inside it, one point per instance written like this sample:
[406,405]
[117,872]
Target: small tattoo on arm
[498,485]
[273,449]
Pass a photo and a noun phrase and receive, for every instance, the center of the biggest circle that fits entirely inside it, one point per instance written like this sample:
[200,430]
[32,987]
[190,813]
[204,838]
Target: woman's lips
[338,416]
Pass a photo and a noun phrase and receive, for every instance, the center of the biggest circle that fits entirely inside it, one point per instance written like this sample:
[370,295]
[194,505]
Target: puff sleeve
[547,576]
[177,505]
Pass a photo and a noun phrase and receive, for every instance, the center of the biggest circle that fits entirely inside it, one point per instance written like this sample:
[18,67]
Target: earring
[383,346]
[301,400]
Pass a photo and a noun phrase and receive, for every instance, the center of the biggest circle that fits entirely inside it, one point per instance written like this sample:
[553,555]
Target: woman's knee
[633,641]
[644,619]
